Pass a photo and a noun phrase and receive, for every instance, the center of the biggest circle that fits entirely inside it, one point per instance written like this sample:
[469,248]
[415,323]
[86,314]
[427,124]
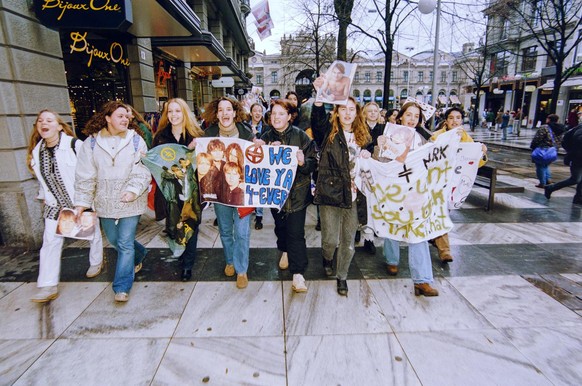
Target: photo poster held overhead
[236,172]
[68,226]
[408,201]
[337,83]
[464,173]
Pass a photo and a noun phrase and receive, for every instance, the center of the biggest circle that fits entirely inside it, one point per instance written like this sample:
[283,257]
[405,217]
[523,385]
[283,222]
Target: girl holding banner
[411,115]
[179,126]
[290,221]
[341,139]
[225,117]
[453,119]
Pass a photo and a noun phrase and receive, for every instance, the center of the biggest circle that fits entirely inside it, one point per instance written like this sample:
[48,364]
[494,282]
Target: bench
[487,178]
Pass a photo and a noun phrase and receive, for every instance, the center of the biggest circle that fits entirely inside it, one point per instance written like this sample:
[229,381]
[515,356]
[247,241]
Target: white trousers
[51,250]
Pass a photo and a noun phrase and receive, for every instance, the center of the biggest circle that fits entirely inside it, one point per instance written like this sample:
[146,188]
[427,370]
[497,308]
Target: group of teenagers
[104,173]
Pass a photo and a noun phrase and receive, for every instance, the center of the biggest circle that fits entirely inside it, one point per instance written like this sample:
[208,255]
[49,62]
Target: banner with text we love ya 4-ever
[236,172]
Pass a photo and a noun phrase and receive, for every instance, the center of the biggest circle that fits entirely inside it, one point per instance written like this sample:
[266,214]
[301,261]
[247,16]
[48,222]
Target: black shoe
[342,287]
[547,192]
[186,274]
[577,200]
[328,267]
[358,236]
[215,223]
[259,223]
[318,226]
[369,247]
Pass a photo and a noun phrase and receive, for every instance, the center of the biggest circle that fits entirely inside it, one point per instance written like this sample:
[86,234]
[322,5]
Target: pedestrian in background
[52,157]
[546,136]
[111,178]
[572,143]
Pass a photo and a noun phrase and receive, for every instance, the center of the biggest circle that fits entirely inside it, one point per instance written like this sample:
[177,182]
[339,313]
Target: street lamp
[408,78]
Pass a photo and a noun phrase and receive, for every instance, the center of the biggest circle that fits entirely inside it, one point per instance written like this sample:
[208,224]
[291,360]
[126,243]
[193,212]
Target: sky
[467,25]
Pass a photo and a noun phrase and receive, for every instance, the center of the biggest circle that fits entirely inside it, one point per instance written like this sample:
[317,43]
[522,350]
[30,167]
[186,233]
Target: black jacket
[300,194]
[334,185]
[572,143]
[165,136]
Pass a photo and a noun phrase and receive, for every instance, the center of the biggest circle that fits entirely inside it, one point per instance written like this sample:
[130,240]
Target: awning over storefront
[163,18]
[204,52]
[576,81]
[549,85]
[454,99]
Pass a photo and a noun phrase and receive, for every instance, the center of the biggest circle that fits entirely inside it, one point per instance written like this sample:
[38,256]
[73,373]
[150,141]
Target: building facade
[521,72]
[71,59]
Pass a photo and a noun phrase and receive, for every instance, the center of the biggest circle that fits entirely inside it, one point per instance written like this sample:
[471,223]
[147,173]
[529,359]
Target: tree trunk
[343,10]
[387,71]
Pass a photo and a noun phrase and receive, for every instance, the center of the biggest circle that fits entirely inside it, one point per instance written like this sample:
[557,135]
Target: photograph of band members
[67,223]
[234,154]
[232,193]
[87,230]
[216,149]
[206,176]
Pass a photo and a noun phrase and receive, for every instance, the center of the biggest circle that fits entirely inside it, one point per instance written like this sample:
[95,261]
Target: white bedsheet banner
[409,201]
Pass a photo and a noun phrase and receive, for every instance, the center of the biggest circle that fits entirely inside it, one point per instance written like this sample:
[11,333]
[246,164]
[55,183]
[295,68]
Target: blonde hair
[359,127]
[35,137]
[190,124]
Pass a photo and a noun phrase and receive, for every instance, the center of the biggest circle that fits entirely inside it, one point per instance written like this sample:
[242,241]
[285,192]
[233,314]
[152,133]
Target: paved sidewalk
[509,310]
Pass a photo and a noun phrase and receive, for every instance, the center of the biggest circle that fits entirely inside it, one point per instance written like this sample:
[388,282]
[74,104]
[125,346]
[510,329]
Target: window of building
[405,75]
[578,51]
[274,77]
[357,77]
[455,76]
[367,76]
[379,77]
[421,76]
[391,75]
[529,56]
[367,95]
[552,46]
[430,76]
[259,79]
[504,29]
[443,76]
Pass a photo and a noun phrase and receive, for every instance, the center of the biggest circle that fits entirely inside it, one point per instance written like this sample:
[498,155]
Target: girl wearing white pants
[52,157]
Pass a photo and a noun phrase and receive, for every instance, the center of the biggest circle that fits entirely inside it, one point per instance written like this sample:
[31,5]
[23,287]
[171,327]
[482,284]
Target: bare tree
[343,11]
[313,47]
[393,15]
[555,26]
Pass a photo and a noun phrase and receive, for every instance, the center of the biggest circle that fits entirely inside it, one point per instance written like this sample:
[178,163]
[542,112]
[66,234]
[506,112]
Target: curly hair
[190,123]
[98,121]
[210,115]
[35,135]
[359,127]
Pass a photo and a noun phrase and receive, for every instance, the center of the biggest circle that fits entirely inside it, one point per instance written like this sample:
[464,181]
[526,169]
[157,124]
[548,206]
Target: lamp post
[408,78]
[426,7]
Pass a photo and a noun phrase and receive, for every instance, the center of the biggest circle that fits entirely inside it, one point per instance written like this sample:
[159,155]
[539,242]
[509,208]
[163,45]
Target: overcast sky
[467,25]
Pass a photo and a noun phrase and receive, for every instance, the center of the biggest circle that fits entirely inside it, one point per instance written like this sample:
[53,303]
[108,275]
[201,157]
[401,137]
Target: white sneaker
[121,297]
[94,270]
[45,294]
[298,283]
[284,262]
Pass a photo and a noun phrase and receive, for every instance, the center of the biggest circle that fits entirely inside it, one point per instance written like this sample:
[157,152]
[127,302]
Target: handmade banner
[467,162]
[172,166]
[236,172]
[409,201]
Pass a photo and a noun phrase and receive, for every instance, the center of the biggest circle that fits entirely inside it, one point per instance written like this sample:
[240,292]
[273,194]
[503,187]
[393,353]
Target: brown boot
[425,289]
[392,270]
[444,248]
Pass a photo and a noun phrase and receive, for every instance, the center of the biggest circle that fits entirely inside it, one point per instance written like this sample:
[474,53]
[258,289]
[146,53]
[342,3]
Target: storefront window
[93,80]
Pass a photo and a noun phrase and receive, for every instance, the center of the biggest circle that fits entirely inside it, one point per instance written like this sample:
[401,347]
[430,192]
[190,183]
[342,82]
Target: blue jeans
[235,235]
[574,179]
[418,259]
[189,254]
[543,173]
[259,212]
[121,235]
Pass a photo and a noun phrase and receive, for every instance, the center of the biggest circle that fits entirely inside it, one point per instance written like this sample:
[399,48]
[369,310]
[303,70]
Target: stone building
[73,59]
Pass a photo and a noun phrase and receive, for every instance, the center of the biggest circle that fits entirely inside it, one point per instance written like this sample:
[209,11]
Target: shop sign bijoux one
[86,14]
[80,44]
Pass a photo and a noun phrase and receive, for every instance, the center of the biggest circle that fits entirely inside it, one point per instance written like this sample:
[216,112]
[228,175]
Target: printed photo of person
[334,85]
[232,193]
[67,223]
[216,149]
[206,175]
[234,154]
[87,229]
